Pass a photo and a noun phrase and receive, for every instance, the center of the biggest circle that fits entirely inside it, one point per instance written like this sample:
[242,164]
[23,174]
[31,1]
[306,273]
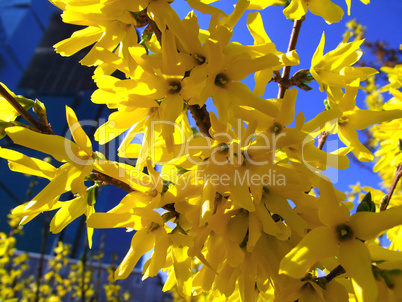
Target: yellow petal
[281,207]
[331,12]
[287,111]
[171,64]
[90,231]
[158,259]
[317,244]
[242,66]
[77,132]
[256,27]
[60,184]
[355,259]
[182,269]
[205,8]
[331,211]
[19,162]
[71,210]
[59,147]
[244,97]
[79,40]
[369,225]
[142,242]
[241,196]
[110,220]
[295,10]
[350,138]
[361,119]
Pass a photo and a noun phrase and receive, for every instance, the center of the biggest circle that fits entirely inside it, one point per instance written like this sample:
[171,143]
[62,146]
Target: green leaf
[91,195]
[367,204]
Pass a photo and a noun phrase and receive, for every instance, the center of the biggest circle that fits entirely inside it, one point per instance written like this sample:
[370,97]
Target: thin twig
[292,46]
[98,176]
[42,257]
[322,138]
[201,117]
[339,270]
[398,175]
[21,110]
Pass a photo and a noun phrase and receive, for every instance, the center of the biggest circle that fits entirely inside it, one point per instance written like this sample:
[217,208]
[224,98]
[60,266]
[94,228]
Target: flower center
[221,80]
[344,232]
[199,59]
[343,120]
[276,128]
[174,87]
[222,148]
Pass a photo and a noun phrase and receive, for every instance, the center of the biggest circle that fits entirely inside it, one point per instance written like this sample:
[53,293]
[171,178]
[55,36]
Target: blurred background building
[30,67]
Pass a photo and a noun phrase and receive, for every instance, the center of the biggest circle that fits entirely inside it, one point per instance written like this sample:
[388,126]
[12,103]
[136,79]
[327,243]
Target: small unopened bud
[39,108]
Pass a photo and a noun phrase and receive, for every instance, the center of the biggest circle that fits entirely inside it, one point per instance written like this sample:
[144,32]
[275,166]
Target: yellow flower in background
[333,70]
[388,137]
[328,10]
[394,77]
[353,118]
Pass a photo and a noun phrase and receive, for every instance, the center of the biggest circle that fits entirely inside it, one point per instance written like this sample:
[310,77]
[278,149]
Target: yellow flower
[394,77]
[353,118]
[333,70]
[223,73]
[72,209]
[328,10]
[79,161]
[341,235]
[136,212]
[107,24]
[78,156]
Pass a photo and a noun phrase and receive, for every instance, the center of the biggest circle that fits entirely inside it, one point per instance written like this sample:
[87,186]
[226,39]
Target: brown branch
[387,199]
[201,117]
[322,138]
[339,270]
[107,180]
[152,27]
[21,110]
[292,46]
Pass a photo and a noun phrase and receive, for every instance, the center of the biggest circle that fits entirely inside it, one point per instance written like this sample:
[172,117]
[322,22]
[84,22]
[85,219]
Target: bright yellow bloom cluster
[239,195]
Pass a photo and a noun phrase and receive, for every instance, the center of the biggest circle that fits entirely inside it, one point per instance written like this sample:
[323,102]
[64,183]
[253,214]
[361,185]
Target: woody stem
[21,110]
[398,175]
[201,117]
[292,46]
